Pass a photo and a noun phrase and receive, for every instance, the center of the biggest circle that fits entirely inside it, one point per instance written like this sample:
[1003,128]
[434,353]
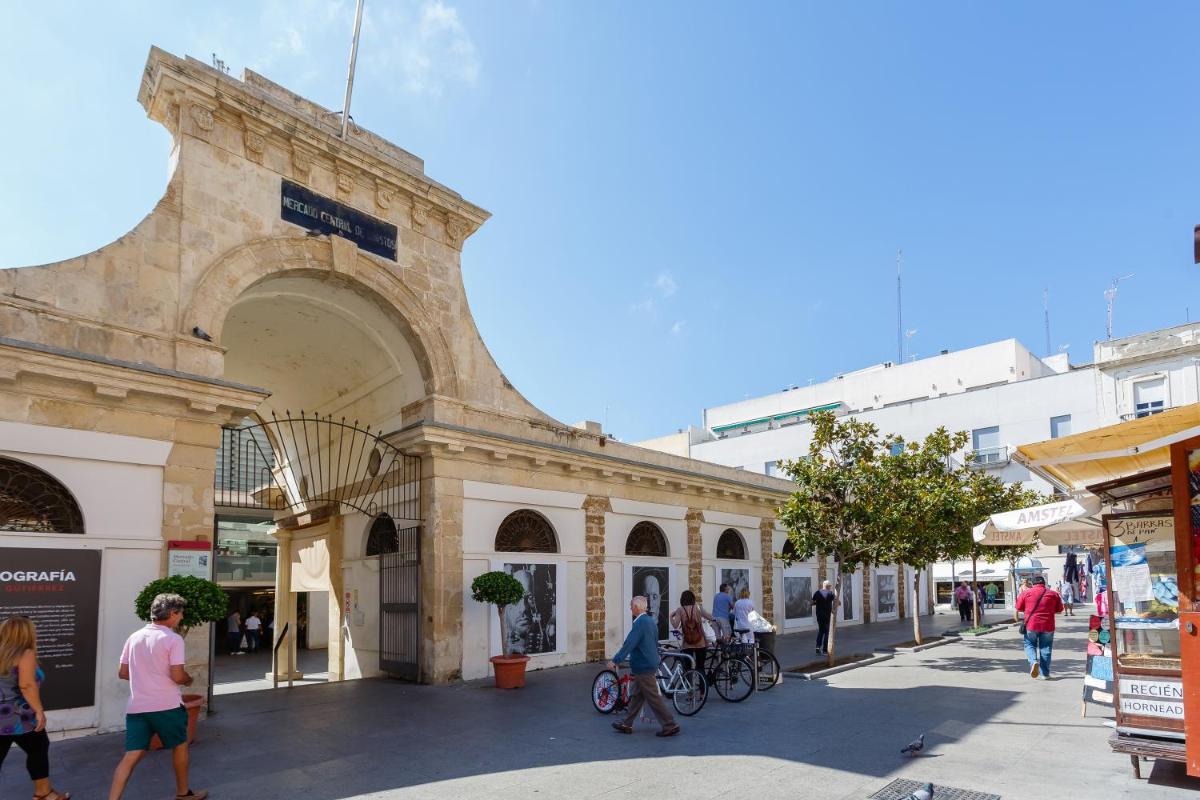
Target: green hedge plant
[500,589]
[206,601]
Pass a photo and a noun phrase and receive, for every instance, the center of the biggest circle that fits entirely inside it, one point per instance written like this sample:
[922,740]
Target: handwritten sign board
[306,208]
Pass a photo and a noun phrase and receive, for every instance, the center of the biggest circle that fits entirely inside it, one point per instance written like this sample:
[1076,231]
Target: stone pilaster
[693,518]
[285,601]
[441,573]
[336,654]
[866,598]
[594,509]
[766,531]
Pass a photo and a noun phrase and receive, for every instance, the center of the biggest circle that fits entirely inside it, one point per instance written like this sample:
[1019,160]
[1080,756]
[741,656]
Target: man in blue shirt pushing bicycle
[641,648]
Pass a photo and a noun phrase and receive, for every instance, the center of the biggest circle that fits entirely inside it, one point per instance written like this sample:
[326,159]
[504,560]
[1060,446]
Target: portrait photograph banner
[532,623]
[797,594]
[738,579]
[654,583]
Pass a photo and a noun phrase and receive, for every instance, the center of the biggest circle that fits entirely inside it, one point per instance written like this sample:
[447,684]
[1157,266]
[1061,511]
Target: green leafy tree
[985,494]
[833,512]
[923,496]
[500,589]
[206,601]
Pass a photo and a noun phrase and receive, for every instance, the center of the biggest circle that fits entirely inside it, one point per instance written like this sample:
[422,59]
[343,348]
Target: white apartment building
[1001,393]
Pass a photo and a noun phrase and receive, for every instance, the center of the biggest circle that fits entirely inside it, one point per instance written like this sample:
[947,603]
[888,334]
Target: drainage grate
[902,788]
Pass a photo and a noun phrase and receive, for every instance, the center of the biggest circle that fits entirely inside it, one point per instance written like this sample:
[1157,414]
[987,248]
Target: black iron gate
[400,607]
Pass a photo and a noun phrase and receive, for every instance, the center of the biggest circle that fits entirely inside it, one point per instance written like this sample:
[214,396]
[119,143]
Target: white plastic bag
[710,635]
[758,623]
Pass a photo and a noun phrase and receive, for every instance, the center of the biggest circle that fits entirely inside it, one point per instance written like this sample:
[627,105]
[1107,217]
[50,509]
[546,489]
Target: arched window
[731,546]
[646,539]
[383,537]
[33,500]
[788,554]
[526,531]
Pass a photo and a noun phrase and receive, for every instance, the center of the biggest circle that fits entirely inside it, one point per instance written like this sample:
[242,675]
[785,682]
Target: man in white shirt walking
[253,629]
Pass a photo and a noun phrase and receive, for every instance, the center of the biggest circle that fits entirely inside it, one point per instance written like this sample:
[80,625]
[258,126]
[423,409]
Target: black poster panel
[306,208]
[60,591]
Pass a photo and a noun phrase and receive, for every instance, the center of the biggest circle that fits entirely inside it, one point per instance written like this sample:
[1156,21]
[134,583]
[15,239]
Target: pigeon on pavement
[924,793]
[914,747]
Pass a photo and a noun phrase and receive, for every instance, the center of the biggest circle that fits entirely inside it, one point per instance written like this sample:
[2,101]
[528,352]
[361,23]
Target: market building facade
[285,341]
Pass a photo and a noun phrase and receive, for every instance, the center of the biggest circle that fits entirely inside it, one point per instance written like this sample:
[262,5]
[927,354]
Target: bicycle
[682,682]
[732,674]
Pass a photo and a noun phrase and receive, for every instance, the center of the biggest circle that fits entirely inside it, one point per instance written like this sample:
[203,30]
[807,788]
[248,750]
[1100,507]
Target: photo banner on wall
[59,590]
[798,594]
[737,579]
[532,627]
[654,583]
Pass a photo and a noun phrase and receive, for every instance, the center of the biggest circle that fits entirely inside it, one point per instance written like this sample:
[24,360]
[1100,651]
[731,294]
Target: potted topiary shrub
[501,589]
[206,602]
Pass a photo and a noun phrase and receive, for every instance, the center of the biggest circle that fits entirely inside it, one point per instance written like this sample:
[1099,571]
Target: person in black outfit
[823,601]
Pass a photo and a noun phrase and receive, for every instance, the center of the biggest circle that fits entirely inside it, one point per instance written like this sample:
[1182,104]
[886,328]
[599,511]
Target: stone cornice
[425,437]
[114,380]
[190,97]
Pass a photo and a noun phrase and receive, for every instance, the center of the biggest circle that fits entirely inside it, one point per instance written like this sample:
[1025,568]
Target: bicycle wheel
[769,671]
[690,693]
[606,690]
[734,679]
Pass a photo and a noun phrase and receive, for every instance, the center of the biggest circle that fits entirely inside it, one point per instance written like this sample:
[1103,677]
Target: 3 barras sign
[60,591]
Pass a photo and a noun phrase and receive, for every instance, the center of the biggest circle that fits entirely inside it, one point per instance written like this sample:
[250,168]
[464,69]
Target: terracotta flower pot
[193,703]
[510,671]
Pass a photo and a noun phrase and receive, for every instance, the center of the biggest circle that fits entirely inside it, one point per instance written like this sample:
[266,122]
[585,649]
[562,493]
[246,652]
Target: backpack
[693,633]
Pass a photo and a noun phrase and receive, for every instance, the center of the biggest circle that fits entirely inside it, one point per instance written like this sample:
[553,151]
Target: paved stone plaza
[836,739]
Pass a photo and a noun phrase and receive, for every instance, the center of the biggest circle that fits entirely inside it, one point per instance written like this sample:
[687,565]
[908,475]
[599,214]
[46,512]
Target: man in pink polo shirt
[152,662]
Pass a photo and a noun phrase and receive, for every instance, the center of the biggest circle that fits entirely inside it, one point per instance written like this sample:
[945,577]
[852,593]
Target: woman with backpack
[689,618]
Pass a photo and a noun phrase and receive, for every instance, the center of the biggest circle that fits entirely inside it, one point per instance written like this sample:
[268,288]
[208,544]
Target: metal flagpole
[358,12]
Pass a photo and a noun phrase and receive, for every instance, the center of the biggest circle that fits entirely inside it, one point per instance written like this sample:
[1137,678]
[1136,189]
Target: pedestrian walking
[823,601]
[722,611]
[689,619]
[233,633]
[991,590]
[1068,598]
[22,716]
[152,661]
[741,617]
[962,598]
[253,630]
[1039,604]
[641,648]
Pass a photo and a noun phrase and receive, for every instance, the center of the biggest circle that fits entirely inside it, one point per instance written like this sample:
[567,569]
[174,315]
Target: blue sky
[693,202]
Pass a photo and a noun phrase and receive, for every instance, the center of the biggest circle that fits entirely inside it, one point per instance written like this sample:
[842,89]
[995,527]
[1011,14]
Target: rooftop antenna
[899,312]
[358,14]
[1046,312]
[1110,294]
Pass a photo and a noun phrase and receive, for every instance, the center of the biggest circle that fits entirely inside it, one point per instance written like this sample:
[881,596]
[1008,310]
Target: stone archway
[337,262]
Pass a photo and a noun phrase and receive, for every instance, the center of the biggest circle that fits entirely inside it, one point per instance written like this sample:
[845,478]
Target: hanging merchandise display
[1098,671]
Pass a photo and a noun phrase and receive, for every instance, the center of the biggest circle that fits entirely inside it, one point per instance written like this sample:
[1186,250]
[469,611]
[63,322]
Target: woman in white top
[741,617]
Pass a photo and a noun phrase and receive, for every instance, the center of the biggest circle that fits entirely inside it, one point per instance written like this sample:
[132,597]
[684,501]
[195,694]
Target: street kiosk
[1148,472]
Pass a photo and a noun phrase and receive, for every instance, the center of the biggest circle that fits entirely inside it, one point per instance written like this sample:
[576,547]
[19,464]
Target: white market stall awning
[1066,522]
[1107,454]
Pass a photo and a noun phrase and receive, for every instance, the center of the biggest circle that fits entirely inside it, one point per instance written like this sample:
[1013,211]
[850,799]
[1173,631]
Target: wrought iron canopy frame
[311,463]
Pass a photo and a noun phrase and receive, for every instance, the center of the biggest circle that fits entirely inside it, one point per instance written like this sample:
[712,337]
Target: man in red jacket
[1039,603]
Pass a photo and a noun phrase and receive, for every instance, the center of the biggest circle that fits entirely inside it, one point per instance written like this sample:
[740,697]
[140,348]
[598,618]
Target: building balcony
[990,457]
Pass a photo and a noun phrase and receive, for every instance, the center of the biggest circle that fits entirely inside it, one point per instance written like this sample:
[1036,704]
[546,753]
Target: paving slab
[834,739]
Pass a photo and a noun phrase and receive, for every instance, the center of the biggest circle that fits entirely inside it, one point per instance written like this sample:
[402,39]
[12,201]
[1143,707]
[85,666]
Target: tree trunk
[916,604]
[503,631]
[836,611]
[974,593]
